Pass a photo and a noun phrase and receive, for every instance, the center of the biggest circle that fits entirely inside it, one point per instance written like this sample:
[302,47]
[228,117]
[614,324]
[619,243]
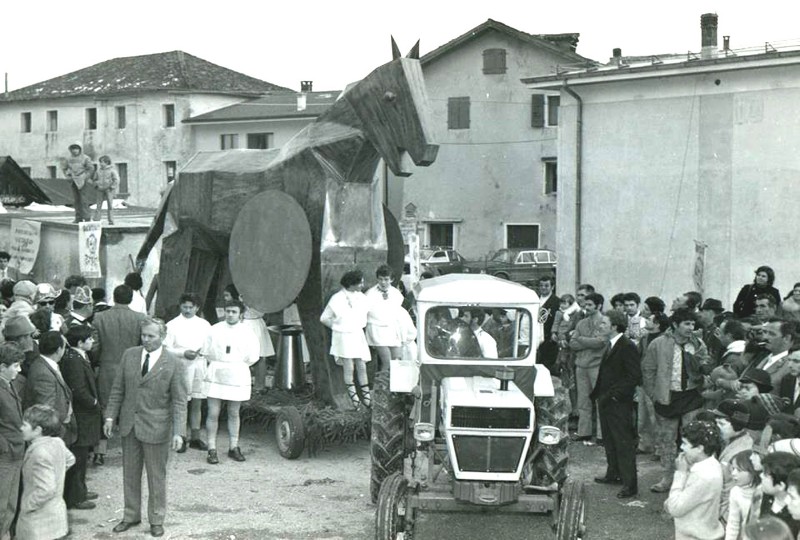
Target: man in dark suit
[149,398]
[790,384]
[12,447]
[118,329]
[77,371]
[548,349]
[620,373]
[46,385]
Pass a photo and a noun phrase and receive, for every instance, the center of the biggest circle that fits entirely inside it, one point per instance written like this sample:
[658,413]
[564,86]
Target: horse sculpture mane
[286,225]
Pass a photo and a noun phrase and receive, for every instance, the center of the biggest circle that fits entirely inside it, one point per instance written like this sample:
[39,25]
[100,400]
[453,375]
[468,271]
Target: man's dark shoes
[197,444]
[607,480]
[83,505]
[123,526]
[182,449]
[156,530]
[235,454]
[212,457]
[627,493]
[91,496]
[99,459]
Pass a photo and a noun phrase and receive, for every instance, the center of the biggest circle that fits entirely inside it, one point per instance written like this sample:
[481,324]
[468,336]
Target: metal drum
[289,369]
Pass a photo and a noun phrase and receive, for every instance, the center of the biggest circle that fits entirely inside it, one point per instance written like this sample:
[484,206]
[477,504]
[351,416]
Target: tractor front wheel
[389,430]
[394,518]
[572,511]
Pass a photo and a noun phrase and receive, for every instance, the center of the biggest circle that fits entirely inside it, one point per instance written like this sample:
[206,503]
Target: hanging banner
[699,265]
[25,238]
[89,248]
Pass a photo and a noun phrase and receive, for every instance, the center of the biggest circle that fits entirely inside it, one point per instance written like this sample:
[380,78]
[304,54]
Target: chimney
[616,58]
[726,43]
[6,91]
[305,86]
[708,33]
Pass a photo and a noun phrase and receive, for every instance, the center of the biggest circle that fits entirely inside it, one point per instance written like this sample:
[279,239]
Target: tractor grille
[488,454]
[489,418]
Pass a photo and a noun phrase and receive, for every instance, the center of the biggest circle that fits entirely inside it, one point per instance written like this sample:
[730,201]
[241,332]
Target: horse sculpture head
[391,104]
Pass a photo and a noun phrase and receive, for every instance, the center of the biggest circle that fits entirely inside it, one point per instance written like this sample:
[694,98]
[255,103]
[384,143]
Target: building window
[494,61]
[550,175]
[122,171]
[170,168]
[52,172]
[553,103]
[229,141]
[25,122]
[259,141]
[441,235]
[52,121]
[522,236]
[91,118]
[458,113]
[122,121]
[26,170]
[169,115]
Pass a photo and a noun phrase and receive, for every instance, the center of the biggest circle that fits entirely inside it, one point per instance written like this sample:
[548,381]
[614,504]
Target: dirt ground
[327,497]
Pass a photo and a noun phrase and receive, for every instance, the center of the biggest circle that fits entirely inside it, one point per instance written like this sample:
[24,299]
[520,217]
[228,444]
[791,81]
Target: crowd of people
[712,394]
[76,371]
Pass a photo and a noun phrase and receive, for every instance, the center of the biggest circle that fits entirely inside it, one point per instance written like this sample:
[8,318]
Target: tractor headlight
[423,432]
[549,435]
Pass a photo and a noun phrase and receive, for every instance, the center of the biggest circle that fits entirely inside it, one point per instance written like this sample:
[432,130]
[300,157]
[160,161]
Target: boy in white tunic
[383,326]
[186,338]
[232,348]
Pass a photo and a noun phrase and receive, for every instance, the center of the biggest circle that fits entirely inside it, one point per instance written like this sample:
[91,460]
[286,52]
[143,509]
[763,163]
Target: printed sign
[699,265]
[89,233]
[25,238]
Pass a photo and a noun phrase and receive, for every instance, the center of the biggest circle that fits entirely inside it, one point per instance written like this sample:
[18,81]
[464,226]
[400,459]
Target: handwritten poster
[89,233]
[698,275]
[25,238]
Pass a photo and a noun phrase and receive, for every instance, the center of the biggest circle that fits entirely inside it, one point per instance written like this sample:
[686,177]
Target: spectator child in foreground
[745,480]
[43,513]
[694,496]
[773,498]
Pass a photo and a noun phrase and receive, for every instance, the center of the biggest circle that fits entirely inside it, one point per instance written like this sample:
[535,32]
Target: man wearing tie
[12,447]
[790,385]
[779,335]
[46,386]
[149,397]
[7,272]
[619,374]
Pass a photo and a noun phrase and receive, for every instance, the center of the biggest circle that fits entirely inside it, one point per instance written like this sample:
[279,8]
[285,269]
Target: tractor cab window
[470,332]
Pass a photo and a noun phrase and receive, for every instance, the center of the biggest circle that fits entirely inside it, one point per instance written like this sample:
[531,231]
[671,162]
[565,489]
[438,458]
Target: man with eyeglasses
[45,300]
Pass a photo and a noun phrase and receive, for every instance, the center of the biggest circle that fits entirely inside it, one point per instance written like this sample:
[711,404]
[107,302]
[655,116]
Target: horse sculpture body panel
[329,170]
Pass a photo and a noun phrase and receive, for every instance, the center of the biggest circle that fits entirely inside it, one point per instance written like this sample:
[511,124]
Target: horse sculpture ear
[395,50]
[414,52]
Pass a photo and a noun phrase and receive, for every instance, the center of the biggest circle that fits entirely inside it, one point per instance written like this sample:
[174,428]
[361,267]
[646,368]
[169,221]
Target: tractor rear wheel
[394,519]
[572,511]
[389,431]
[550,465]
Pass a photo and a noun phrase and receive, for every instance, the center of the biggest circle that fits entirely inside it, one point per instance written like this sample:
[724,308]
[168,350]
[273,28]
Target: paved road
[326,497]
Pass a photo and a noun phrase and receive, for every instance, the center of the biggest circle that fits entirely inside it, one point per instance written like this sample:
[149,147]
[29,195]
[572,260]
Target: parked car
[519,265]
[444,260]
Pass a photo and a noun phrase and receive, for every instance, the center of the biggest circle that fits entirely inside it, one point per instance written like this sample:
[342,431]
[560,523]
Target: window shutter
[537,110]
[494,61]
[452,113]
[458,113]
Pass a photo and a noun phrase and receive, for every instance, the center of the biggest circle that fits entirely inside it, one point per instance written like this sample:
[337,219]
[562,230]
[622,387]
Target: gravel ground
[327,497]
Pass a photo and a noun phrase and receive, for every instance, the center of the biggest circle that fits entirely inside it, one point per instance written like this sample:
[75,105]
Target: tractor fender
[543,382]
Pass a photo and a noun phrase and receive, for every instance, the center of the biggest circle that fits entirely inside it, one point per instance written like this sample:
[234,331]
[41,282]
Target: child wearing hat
[79,169]
[106,184]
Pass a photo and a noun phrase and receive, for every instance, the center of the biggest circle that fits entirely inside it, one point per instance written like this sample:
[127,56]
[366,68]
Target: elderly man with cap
[79,169]
[19,330]
[754,388]
[24,294]
[732,419]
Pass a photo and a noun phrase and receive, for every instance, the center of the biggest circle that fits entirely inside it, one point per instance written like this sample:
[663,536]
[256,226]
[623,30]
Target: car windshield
[502,255]
[486,332]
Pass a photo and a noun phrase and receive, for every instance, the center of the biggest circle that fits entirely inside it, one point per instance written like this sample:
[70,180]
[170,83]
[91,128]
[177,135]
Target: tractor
[472,424]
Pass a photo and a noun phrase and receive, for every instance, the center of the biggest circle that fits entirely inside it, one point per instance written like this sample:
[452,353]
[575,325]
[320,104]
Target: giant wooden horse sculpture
[312,213]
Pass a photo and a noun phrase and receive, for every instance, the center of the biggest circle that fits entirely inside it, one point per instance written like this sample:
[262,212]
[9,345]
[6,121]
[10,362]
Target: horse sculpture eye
[390,96]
